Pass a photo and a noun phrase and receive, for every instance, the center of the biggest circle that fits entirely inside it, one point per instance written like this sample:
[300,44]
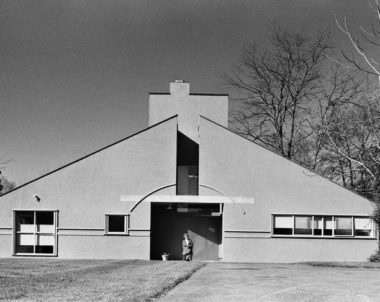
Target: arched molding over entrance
[201,185]
[224,194]
[149,194]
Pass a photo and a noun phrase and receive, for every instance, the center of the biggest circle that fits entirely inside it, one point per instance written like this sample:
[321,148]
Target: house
[186,172]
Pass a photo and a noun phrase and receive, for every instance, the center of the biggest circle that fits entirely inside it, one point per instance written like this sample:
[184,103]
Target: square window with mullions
[35,232]
[117,224]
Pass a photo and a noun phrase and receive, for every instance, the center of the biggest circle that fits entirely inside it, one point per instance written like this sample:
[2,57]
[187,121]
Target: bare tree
[366,58]
[276,87]
[339,88]
[327,119]
[365,43]
[5,184]
[352,139]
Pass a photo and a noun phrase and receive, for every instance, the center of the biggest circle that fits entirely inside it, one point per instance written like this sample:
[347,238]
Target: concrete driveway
[279,282]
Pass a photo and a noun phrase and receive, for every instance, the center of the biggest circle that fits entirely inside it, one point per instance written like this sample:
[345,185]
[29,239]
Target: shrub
[375,257]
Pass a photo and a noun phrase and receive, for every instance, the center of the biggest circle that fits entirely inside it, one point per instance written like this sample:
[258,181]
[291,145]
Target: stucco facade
[85,191]
[278,186]
[237,200]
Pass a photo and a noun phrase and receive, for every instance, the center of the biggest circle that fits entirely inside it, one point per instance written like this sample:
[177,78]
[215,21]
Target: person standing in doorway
[187,248]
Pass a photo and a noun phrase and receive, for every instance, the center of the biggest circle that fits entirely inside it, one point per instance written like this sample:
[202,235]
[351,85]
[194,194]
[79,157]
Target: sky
[75,75]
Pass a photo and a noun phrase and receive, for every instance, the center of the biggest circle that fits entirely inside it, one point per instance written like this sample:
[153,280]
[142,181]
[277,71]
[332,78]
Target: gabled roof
[88,155]
[284,158]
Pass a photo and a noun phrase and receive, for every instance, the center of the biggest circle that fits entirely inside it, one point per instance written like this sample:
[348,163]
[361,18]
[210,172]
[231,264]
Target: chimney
[188,107]
[180,88]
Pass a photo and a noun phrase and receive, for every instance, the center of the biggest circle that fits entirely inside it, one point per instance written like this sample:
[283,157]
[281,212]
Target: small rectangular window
[283,225]
[363,226]
[117,224]
[303,225]
[343,226]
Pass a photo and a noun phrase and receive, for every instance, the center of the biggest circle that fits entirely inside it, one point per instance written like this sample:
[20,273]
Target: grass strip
[176,282]
[366,265]
[90,280]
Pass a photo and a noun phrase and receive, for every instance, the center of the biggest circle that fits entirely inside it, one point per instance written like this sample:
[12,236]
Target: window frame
[373,229]
[323,236]
[36,233]
[126,225]
[311,225]
[335,223]
[274,224]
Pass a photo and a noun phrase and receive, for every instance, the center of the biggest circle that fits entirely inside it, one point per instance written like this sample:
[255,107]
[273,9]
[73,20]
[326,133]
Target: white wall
[90,188]
[239,167]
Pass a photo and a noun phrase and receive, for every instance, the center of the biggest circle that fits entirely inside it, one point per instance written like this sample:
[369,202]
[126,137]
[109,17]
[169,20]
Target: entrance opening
[169,221]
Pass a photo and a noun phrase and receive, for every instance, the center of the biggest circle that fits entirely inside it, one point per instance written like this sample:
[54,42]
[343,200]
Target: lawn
[113,280]
[90,280]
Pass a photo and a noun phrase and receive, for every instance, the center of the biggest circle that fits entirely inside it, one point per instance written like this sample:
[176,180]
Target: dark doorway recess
[169,221]
[187,165]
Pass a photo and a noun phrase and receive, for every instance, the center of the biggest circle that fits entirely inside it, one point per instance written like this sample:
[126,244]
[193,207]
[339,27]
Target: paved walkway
[278,282]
